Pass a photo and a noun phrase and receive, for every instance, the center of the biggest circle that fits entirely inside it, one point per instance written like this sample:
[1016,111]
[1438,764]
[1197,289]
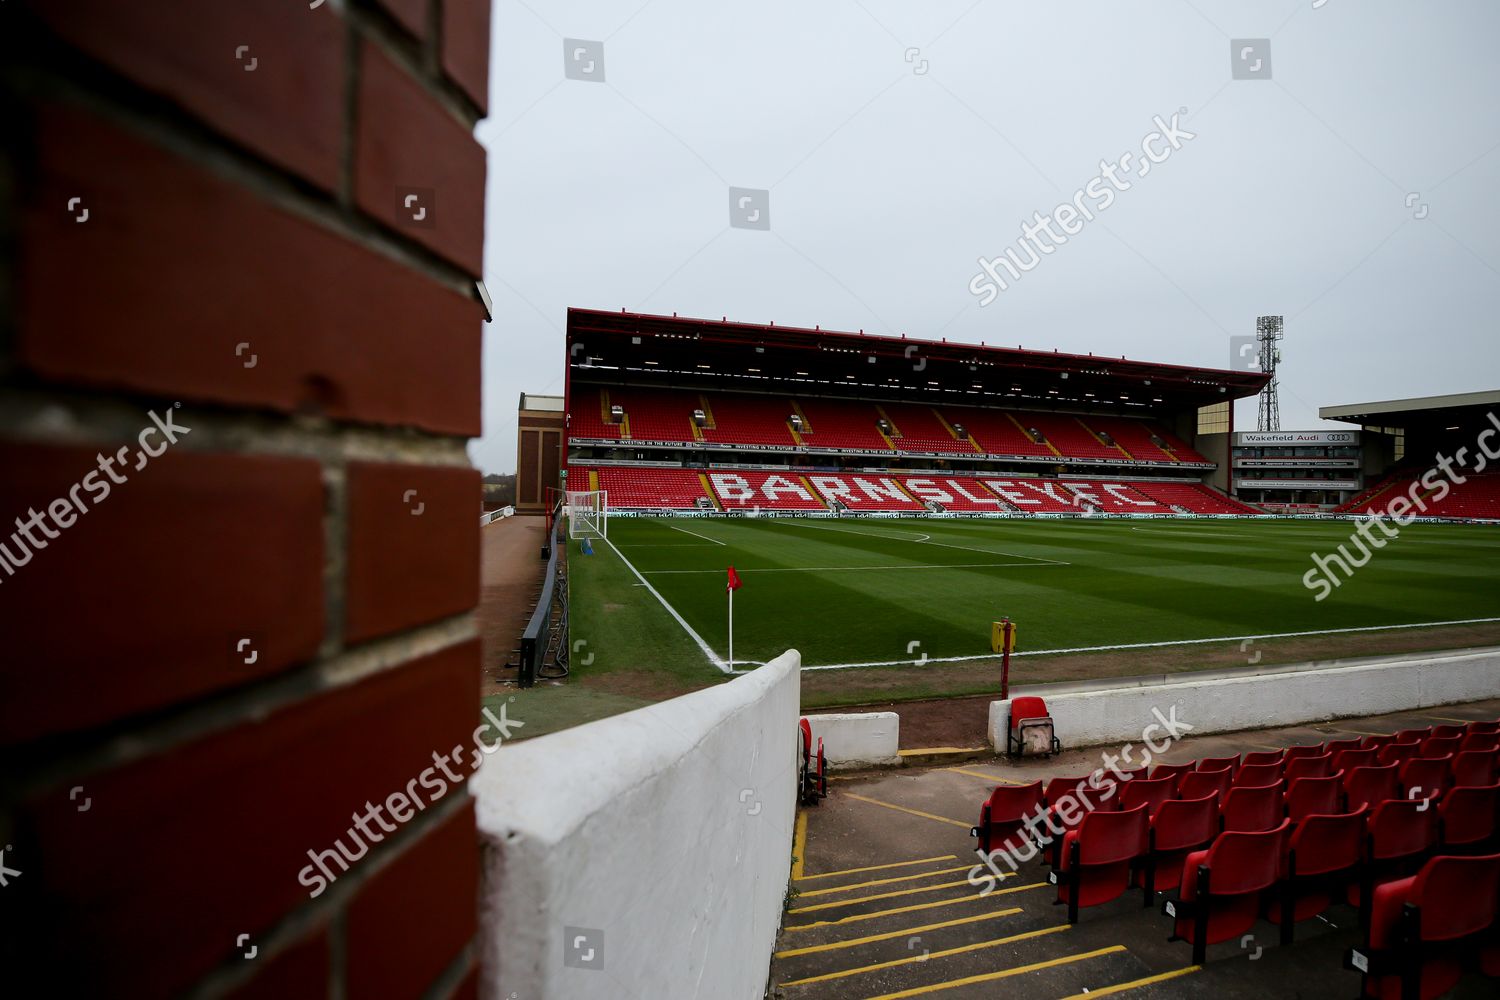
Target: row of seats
[667,415]
[1478,496]
[642,487]
[1283,834]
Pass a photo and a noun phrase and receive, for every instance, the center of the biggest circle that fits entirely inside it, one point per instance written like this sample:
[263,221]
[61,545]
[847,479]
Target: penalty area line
[849,569]
[1156,645]
[707,650]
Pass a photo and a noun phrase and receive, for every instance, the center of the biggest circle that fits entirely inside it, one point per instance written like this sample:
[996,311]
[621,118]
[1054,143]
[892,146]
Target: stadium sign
[1296,437]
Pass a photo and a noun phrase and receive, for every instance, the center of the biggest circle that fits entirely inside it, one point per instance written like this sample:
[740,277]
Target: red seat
[1151,792]
[1251,809]
[1309,767]
[1179,827]
[1399,835]
[1484,727]
[1087,796]
[1003,813]
[1474,767]
[1313,796]
[1376,742]
[1031,728]
[1418,924]
[1258,775]
[1425,777]
[1324,850]
[1469,818]
[1201,783]
[1309,750]
[1446,731]
[1371,785]
[1263,757]
[1413,735]
[1221,887]
[1219,763]
[1480,741]
[1438,746]
[1337,746]
[1398,753]
[1099,857]
[1348,760]
[1173,771]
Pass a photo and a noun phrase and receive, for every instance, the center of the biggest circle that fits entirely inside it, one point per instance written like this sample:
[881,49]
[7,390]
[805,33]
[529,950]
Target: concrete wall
[1258,700]
[646,855]
[857,739]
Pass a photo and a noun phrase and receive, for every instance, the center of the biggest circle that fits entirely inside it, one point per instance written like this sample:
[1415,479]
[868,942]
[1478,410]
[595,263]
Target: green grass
[862,591]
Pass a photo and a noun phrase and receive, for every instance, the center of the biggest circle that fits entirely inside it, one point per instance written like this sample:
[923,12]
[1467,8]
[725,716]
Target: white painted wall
[1258,701]
[857,739]
[668,830]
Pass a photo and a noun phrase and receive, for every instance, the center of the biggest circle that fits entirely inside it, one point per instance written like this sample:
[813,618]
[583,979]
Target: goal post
[588,514]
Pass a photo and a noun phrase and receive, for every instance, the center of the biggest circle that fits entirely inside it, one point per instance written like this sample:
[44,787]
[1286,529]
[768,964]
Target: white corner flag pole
[731,628]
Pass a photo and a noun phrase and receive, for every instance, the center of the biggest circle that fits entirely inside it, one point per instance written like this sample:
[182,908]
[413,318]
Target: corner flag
[730,588]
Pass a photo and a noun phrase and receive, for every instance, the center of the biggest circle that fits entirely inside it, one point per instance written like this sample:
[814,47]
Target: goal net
[588,514]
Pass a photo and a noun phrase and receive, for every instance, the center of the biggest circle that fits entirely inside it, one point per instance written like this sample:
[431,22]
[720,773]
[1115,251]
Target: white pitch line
[844,569]
[902,536]
[1157,645]
[707,650]
[695,534]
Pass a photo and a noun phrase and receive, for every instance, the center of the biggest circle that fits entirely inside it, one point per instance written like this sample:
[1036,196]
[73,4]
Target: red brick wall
[218,652]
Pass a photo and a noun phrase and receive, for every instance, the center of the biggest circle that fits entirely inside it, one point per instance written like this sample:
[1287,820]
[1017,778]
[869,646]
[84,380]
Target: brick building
[239,360]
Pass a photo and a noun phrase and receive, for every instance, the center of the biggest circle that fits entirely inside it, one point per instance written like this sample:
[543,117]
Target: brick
[176,267]
[288,108]
[408,146]
[411,921]
[141,601]
[407,568]
[410,14]
[466,47]
[180,853]
[299,972]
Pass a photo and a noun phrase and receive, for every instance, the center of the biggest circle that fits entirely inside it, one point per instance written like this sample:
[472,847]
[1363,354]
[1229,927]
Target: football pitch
[893,608]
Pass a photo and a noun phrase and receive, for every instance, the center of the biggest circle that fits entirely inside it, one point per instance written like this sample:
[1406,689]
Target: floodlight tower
[1268,332]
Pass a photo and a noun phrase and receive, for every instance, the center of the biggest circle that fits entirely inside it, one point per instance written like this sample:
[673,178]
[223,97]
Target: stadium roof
[636,347]
[1425,408]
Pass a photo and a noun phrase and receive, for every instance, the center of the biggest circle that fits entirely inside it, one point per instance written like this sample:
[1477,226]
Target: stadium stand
[1256,844]
[1001,432]
[675,488]
[755,420]
[835,424]
[923,429]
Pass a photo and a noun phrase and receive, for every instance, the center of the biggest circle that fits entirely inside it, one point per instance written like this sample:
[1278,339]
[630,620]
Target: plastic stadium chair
[1263,757]
[1201,783]
[1371,785]
[812,767]
[1309,767]
[1423,927]
[1438,746]
[1398,753]
[1251,809]
[1426,777]
[1469,819]
[1151,792]
[1002,814]
[1313,796]
[1338,746]
[1059,787]
[1222,886]
[1099,858]
[1179,827]
[1258,775]
[1089,799]
[1480,741]
[1173,771]
[1348,760]
[1475,767]
[1376,742]
[1446,731]
[1219,763]
[1031,729]
[1308,750]
[1484,727]
[1413,735]
[1323,851]
[1399,835]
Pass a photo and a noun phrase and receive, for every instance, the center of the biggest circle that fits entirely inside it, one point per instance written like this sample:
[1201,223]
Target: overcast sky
[1348,182]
